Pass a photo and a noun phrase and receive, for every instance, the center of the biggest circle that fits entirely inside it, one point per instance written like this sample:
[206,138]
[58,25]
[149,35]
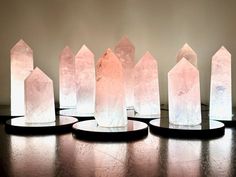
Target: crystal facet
[188,53]
[85,81]
[221,96]
[146,86]
[67,81]
[110,98]
[126,53]
[21,66]
[39,98]
[184,94]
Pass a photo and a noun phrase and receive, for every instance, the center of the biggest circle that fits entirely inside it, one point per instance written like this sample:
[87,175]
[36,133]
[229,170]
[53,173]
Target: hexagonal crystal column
[146,86]
[85,81]
[67,79]
[39,98]
[184,94]
[188,53]
[110,97]
[21,66]
[221,96]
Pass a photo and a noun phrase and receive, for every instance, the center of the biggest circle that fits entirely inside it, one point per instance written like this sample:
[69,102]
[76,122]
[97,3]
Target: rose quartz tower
[188,53]
[39,98]
[126,53]
[21,66]
[184,94]
[85,81]
[221,96]
[146,86]
[67,79]
[110,98]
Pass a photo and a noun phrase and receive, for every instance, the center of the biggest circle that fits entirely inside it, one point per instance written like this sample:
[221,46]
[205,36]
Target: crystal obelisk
[146,86]
[21,66]
[220,95]
[39,98]
[184,94]
[85,81]
[188,53]
[67,79]
[110,99]
[125,51]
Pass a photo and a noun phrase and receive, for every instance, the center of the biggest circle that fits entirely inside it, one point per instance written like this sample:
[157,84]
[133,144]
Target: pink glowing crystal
[21,66]
[184,94]
[146,86]
[125,51]
[110,98]
[221,96]
[67,79]
[188,53]
[85,81]
[39,98]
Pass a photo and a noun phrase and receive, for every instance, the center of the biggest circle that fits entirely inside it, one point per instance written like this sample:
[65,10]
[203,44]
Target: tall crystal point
[39,98]
[221,96]
[146,86]
[85,81]
[184,94]
[67,82]
[21,66]
[188,53]
[110,98]
[126,53]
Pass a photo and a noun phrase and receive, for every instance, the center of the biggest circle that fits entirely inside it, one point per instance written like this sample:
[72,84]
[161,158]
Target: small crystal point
[67,80]
[110,98]
[39,98]
[21,66]
[125,51]
[221,86]
[85,81]
[184,94]
[146,86]
[188,53]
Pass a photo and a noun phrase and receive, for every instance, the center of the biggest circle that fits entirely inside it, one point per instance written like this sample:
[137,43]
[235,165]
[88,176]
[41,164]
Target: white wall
[160,26]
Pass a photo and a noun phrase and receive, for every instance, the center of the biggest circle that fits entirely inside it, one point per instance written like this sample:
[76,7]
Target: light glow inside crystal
[188,53]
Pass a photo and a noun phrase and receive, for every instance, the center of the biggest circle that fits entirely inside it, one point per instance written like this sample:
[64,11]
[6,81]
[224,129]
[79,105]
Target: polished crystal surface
[85,81]
[39,98]
[110,98]
[188,53]
[184,94]
[146,86]
[125,51]
[221,96]
[67,89]
[21,66]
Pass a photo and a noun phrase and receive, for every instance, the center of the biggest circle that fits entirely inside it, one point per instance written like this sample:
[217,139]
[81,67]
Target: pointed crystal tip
[124,41]
[21,46]
[38,75]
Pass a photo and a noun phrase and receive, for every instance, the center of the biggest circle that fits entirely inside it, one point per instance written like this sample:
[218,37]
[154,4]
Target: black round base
[61,125]
[74,113]
[89,130]
[205,130]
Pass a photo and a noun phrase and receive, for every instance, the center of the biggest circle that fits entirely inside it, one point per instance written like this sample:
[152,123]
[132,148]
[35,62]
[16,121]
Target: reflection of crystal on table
[67,94]
[110,98]
[21,66]
[184,94]
[188,53]
[220,95]
[146,86]
[39,98]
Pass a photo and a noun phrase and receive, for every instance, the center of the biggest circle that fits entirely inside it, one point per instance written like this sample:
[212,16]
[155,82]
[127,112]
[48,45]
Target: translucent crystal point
[39,98]
[184,94]
[188,53]
[146,86]
[126,53]
[221,96]
[67,79]
[21,66]
[110,98]
[85,81]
